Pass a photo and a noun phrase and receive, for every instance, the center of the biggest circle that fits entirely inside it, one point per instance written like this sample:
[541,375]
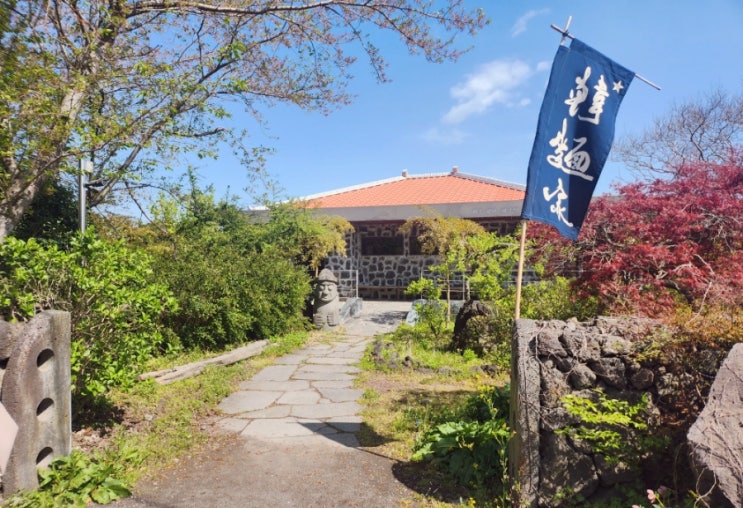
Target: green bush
[543,300]
[229,295]
[555,299]
[237,277]
[474,449]
[432,316]
[75,480]
[108,288]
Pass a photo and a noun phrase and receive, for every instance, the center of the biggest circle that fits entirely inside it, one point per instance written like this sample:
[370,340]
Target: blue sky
[480,113]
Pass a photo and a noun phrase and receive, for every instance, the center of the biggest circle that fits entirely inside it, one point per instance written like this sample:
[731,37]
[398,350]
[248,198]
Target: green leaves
[615,428]
[108,289]
[474,452]
[309,239]
[75,481]
[235,281]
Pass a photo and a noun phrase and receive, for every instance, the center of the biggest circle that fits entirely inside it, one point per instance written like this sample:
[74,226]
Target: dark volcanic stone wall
[385,277]
[552,359]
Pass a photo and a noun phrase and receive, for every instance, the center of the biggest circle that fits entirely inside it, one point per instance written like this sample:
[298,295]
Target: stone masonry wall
[551,359]
[378,277]
[381,277]
[386,277]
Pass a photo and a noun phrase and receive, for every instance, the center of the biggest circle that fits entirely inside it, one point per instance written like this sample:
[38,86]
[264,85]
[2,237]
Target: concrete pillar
[36,392]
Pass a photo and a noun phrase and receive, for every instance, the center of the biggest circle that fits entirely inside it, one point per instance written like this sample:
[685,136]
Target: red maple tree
[656,245]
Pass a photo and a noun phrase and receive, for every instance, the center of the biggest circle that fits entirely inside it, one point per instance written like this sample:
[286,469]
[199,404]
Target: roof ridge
[427,175]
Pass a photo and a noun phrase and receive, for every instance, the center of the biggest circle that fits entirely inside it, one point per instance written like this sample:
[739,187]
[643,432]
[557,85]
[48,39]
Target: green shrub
[490,403]
[229,296]
[474,449]
[236,277]
[75,480]
[473,453]
[432,321]
[555,299]
[426,289]
[108,288]
[543,300]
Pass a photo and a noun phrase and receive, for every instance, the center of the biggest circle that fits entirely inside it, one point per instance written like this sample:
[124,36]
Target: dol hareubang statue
[326,305]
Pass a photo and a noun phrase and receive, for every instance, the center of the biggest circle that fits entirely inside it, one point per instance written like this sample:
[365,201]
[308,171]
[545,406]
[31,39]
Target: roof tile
[419,190]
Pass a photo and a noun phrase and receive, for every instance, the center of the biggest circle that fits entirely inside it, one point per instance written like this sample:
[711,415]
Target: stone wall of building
[385,277]
[379,277]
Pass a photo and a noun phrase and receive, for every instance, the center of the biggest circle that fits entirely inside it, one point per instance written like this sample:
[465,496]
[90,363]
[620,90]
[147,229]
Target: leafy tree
[674,237]
[663,243]
[446,237]
[53,215]
[133,84]
[707,129]
[300,234]
[492,260]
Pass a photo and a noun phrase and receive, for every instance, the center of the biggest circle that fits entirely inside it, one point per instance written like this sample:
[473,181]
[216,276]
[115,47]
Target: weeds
[473,447]
[76,480]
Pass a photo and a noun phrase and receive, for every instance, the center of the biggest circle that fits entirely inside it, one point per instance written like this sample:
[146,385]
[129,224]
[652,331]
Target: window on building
[416,249]
[381,246]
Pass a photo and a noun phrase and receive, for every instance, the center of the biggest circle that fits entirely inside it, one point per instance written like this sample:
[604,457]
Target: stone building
[380,261]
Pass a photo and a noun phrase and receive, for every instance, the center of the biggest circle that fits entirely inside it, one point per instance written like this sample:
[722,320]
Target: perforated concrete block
[36,393]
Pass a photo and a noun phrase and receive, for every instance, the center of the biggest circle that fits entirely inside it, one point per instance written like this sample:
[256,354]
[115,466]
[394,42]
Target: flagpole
[564,32]
[520,271]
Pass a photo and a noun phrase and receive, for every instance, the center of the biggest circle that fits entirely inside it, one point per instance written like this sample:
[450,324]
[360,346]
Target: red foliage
[658,244]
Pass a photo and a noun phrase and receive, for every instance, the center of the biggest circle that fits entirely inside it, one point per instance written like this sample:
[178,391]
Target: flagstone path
[290,435]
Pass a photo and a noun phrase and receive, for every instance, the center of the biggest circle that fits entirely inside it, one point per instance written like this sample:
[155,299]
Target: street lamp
[86,168]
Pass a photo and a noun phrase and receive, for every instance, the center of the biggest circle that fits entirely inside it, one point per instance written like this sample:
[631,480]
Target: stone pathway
[306,394]
[289,436]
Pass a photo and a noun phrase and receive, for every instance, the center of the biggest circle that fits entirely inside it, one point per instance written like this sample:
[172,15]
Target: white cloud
[520,26]
[544,65]
[447,136]
[496,82]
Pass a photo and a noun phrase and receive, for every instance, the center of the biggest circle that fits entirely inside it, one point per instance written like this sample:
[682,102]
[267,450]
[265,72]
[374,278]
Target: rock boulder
[716,438]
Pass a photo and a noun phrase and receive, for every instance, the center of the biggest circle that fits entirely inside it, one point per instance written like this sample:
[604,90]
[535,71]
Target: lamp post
[86,168]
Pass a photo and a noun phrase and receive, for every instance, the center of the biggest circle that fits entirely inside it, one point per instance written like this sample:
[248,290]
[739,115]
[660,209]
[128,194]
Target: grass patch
[402,404]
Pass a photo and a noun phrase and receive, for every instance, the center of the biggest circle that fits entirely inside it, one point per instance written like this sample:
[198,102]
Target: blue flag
[574,136]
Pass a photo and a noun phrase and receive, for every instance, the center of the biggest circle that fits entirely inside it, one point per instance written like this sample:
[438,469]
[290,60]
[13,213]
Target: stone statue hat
[327,276]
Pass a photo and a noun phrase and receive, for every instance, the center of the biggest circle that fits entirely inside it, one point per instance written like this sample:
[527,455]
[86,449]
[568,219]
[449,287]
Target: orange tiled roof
[420,190]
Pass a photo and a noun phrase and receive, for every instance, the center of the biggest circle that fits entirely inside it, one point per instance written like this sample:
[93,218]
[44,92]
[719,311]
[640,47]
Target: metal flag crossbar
[566,34]
[571,217]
